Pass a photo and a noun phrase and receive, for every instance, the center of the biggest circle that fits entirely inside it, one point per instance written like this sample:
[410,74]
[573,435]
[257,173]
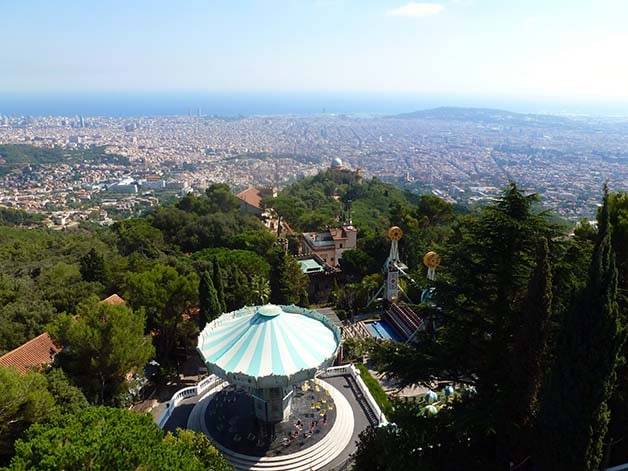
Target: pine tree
[219,285]
[208,300]
[574,415]
[481,295]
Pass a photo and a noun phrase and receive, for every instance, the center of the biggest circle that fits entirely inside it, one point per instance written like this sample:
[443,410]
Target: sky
[568,49]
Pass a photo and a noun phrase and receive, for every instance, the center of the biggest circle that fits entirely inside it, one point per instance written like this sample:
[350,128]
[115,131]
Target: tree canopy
[103,438]
[30,398]
[102,345]
[494,296]
[512,289]
[574,414]
[164,294]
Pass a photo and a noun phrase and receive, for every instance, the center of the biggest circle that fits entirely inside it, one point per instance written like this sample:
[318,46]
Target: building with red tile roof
[251,201]
[40,351]
[34,354]
[113,300]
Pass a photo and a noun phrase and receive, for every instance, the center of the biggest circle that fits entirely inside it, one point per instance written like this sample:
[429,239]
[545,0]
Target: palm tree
[260,289]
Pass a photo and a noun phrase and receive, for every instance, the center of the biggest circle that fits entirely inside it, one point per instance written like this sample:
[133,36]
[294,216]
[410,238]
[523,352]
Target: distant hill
[491,116]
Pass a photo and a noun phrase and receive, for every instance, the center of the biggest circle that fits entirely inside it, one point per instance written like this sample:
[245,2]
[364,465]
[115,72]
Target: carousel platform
[315,435]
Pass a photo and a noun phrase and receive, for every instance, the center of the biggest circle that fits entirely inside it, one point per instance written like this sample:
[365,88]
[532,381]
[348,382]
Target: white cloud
[415,9]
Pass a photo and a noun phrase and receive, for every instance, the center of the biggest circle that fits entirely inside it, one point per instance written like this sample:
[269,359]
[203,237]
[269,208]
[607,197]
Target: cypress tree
[238,289]
[218,284]
[574,415]
[92,266]
[208,300]
[288,284]
[276,276]
[241,288]
[618,428]
[529,352]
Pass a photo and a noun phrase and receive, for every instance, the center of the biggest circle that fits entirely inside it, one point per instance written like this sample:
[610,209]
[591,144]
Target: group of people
[299,428]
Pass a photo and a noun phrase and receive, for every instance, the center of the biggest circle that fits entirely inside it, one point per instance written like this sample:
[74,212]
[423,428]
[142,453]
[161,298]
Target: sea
[130,104]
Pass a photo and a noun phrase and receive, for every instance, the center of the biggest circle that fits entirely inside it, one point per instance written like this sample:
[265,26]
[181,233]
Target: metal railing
[201,387]
[355,374]
[621,467]
[212,381]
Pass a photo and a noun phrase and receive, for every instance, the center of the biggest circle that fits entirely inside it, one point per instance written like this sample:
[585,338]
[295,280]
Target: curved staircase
[312,458]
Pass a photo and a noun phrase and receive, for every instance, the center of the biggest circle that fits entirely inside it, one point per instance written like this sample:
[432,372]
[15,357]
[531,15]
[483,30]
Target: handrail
[381,418]
[407,323]
[337,371]
[398,315]
[621,467]
[407,315]
[212,381]
[398,324]
[355,374]
[202,386]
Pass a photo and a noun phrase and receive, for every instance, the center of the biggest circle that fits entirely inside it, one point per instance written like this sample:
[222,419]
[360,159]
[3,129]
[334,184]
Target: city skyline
[461,48]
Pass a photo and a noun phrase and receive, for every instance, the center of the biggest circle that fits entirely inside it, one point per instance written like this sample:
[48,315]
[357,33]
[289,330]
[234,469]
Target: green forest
[529,313]
[13,156]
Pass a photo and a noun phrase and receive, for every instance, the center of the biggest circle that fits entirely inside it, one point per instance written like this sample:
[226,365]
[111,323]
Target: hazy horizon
[230,103]
[563,54]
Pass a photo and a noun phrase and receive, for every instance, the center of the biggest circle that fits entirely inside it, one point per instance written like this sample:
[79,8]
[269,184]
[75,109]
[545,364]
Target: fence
[212,381]
[201,387]
[355,374]
[621,467]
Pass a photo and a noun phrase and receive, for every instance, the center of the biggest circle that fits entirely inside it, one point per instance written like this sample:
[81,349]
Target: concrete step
[318,457]
[314,457]
[311,458]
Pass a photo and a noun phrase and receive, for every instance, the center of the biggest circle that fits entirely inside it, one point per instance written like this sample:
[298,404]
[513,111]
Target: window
[340,245]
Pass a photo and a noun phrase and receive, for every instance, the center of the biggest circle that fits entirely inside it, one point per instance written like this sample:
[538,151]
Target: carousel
[269,352]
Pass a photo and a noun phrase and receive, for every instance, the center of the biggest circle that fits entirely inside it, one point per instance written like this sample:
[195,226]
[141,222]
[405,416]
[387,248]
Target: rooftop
[252,196]
[31,355]
[309,265]
[328,236]
[113,300]
[268,345]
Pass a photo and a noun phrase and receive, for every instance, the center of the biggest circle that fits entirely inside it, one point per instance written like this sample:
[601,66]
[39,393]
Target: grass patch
[375,389]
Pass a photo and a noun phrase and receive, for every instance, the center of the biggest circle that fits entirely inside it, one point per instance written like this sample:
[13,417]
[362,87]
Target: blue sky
[520,48]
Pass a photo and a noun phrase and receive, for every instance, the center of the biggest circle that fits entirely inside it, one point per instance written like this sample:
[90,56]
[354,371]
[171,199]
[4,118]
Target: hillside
[318,201]
[13,156]
[492,116]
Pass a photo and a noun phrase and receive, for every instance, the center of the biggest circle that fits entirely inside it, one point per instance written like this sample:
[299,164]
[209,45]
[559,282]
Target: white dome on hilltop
[336,163]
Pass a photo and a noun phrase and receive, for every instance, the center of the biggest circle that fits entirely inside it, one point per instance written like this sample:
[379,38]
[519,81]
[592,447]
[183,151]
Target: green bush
[376,389]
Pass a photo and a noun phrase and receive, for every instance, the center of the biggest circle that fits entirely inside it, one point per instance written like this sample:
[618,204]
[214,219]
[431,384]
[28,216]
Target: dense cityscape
[322,235]
[461,155]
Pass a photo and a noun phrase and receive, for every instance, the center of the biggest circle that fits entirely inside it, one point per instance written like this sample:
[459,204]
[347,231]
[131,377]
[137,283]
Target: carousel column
[273,404]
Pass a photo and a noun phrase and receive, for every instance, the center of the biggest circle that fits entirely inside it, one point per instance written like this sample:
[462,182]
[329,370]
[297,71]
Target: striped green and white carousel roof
[266,346]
